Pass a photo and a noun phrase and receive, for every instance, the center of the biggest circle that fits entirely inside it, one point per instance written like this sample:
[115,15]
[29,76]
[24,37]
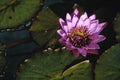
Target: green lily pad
[108,66]
[44,28]
[117,26]
[16,12]
[80,71]
[59,65]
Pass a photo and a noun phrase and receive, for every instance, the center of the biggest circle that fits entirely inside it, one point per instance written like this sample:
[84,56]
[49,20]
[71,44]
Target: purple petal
[66,28]
[94,21]
[69,26]
[69,46]
[62,22]
[86,23]
[84,16]
[93,17]
[74,20]
[92,51]
[69,22]
[100,27]
[68,17]
[76,12]
[63,25]
[80,23]
[76,53]
[93,26]
[62,41]
[82,51]
[93,46]
[62,33]
[97,38]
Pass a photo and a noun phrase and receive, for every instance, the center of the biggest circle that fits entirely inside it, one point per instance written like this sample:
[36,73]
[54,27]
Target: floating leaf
[108,66]
[117,26]
[44,29]
[80,71]
[16,12]
[59,65]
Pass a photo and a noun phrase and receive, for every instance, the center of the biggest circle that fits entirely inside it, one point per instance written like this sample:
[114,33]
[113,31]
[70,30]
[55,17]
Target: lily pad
[80,71]
[59,65]
[16,12]
[108,66]
[117,26]
[44,28]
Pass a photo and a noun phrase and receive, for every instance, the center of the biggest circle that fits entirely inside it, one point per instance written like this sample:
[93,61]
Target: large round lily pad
[16,12]
[59,65]
[108,66]
[44,28]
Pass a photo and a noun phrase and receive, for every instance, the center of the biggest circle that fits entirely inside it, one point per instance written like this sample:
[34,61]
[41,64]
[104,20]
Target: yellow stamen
[78,32]
[79,37]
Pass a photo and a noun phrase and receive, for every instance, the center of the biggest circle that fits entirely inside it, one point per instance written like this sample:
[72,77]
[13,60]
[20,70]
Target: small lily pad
[16,12]
[59,65]
[108,66]
[44,28]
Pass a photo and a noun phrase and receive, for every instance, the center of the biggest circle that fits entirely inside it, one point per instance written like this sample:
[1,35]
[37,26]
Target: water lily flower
[80,34]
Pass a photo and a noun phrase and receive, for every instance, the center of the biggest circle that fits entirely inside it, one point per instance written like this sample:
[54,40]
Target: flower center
[79,37]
